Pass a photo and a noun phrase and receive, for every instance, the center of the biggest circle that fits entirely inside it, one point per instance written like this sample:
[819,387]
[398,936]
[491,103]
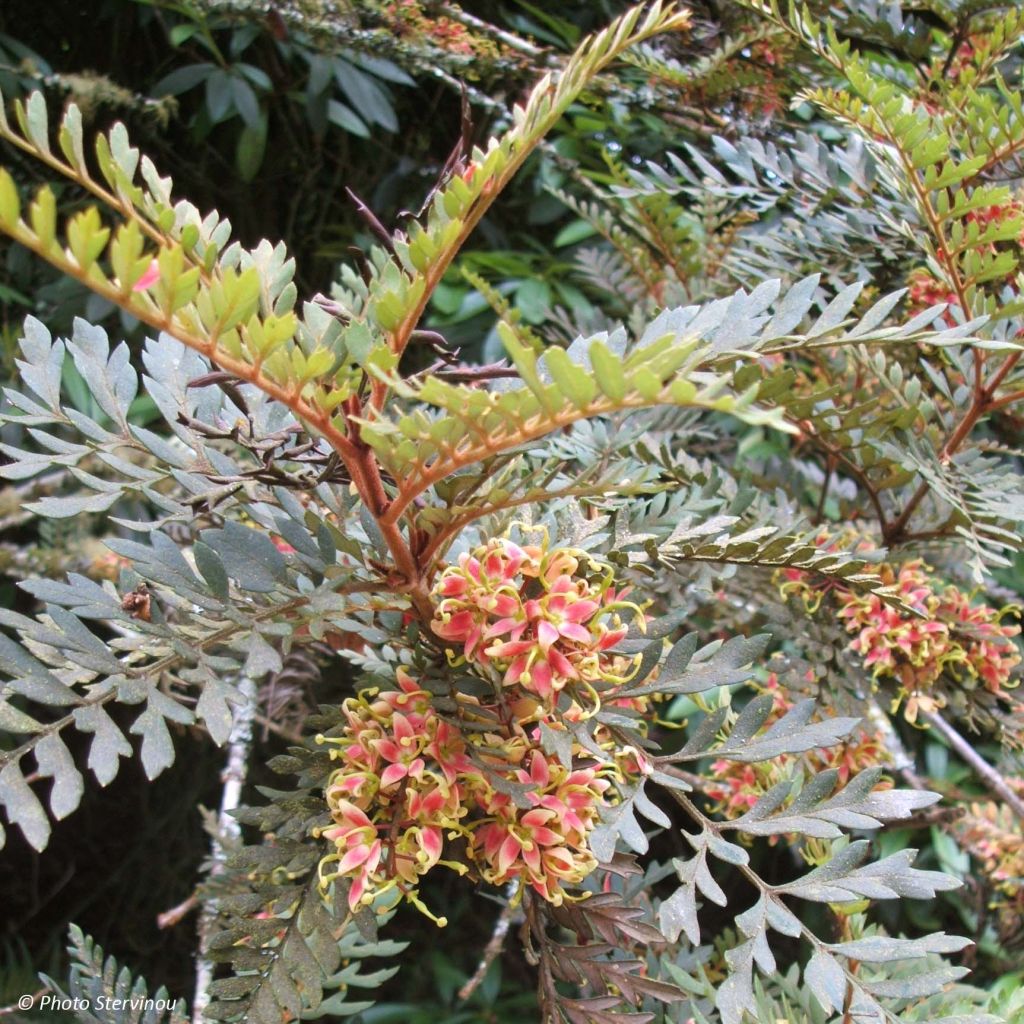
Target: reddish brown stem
[1010,399]
[983,403]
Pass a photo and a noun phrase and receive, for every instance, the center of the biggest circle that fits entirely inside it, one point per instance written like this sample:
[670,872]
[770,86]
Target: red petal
[149,278]
[392,774]
[547,634]
[353,859]
[574,631]
[357,890]
[507,854]
[430,840]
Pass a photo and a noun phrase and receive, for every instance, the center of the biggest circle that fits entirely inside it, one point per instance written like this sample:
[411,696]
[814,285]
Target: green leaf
[108,745]
[573,232]
[573,381]
[252,144]
[211,568]
[365,95]
[248,556]
[607,371]
[826,980]
[54,761]
[183,79]
[533,297]
[23,807]
[883,948]
[261,658]
[346,119]
[76,505]
[10,204]
[13,720]
[247,105]
[214,706]
[219,94]
[37,122]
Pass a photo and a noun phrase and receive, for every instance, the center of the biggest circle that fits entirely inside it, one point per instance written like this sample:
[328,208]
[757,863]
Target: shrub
[555,575]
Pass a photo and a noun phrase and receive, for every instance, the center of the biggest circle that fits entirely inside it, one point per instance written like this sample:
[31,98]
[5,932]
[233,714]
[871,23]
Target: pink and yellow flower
[531,614]
[942,634]
[395,792]
[544,844]
[359,848]
[407,778]
[536,622]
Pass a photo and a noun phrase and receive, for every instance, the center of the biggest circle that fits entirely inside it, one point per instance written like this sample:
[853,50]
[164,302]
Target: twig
[169,918]
[239,746]
[959,37]
[829,468]
[513,42]
[1010,399]
[372,222]
[494,947]
[989,775]
[932,816]
[981,405]
[291,735]
[767,891]
[837,458]
[6,1011]
[470,374]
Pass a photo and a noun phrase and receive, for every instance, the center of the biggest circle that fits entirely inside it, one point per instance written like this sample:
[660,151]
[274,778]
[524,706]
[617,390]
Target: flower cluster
[735,786]
[948,635]
[396,792]
[986,653]
[407,783]
[913,650]
[941,633]
[540,627]
[546,843]
[533,616]
[408,18]
[993,834]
